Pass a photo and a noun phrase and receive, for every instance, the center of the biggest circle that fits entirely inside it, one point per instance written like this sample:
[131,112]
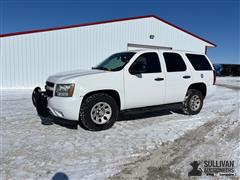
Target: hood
[67,75]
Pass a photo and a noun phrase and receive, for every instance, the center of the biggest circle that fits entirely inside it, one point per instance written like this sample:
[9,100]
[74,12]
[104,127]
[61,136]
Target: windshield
[115,62]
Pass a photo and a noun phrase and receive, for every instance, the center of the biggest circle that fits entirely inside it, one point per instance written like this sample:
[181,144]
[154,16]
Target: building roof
[103,22]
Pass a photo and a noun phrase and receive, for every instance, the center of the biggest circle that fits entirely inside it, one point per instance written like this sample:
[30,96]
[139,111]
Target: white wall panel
[28,59]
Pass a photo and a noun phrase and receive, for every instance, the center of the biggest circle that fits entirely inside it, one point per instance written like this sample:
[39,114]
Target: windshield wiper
[101,68]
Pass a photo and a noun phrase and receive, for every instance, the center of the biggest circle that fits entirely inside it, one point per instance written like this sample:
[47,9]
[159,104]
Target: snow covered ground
[229,82]
[30,150]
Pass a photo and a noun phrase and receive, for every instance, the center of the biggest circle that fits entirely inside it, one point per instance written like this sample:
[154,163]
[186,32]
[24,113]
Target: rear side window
[151,61]
[174,62]
[199,62]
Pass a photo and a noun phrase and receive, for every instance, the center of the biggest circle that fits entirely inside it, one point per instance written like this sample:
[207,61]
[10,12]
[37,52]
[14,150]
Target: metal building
[28,58]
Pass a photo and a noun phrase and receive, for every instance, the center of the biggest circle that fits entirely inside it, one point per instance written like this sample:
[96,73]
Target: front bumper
[63,107]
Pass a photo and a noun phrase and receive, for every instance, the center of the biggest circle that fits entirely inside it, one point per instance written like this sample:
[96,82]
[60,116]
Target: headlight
[64,90]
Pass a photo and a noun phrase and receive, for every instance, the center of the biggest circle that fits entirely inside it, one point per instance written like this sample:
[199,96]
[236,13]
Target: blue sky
[216,21]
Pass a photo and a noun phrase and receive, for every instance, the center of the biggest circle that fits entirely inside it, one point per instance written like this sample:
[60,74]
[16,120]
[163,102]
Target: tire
[99,112]
[193,102]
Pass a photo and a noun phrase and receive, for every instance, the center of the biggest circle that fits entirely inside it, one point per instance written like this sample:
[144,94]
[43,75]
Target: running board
[153,108]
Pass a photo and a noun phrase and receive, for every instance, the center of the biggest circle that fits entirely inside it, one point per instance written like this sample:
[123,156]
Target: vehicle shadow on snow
[123,116]
[50,120]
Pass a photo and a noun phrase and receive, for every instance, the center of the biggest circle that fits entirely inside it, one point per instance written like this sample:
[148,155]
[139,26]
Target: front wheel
[99,112]
[193,102]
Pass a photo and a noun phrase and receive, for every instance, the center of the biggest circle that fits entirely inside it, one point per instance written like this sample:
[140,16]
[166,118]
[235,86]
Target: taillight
[214,77]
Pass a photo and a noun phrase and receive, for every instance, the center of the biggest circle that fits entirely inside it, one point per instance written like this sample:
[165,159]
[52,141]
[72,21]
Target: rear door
[148,88]
[203,68]
[178,77]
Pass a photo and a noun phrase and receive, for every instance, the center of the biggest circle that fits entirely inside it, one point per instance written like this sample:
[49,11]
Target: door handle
[186,77]
[159,79]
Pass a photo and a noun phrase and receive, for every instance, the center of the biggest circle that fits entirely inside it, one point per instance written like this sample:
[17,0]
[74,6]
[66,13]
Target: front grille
[49,89]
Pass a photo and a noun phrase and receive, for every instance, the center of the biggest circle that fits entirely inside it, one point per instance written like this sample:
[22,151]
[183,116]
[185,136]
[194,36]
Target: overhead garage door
[131,46]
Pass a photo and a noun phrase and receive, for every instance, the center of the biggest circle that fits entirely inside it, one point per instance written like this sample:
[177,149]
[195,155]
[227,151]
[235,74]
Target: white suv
[125,81]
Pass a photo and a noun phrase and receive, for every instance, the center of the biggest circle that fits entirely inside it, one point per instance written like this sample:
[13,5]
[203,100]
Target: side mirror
[138,68]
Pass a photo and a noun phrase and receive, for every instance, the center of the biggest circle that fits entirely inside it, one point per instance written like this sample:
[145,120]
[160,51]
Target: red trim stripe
[103,22]
[184,30]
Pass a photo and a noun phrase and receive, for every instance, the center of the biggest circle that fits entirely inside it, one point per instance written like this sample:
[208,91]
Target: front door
[146,88]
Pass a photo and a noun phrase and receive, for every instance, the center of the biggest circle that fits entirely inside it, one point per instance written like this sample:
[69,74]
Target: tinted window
[151,62]
[174,62]
[199,62]
[115,62]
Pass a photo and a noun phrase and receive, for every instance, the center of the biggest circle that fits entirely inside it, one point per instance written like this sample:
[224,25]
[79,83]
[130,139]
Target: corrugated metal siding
[27,60]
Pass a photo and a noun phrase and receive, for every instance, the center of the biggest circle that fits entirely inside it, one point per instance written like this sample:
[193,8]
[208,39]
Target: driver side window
[150,61]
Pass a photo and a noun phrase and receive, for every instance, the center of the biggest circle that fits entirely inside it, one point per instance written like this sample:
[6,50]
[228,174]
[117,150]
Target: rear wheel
[99,112]
[193,102]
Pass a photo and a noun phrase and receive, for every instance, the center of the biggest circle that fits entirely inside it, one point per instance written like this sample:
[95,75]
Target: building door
[131,46]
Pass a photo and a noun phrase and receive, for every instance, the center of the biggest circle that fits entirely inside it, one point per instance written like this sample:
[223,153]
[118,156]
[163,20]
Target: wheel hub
[101,113]
[195,103]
